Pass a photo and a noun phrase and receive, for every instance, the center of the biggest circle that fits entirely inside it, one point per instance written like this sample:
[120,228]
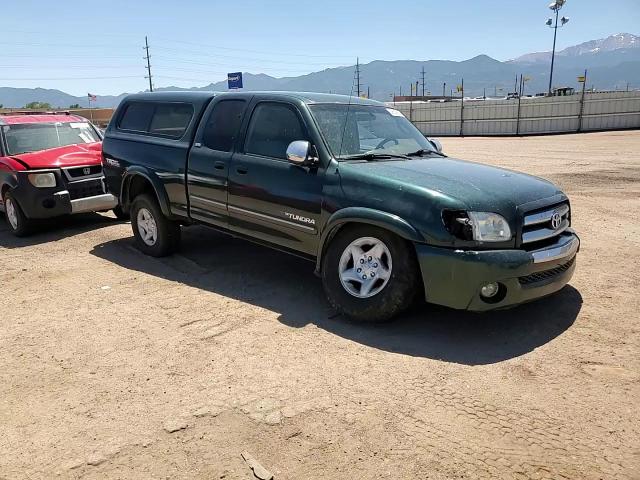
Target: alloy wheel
[147,227]
[365,267]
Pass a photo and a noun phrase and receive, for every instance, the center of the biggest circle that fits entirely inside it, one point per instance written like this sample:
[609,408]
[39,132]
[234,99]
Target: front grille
[75,173]
[84,189]
[546,274]
[545,224]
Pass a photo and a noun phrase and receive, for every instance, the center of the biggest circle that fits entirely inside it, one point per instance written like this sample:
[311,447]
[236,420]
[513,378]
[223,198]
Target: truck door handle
[242,170]
[219,165]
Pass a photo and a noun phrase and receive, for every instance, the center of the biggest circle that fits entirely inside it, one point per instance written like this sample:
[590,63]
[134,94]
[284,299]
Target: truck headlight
[489,227]
[42,180]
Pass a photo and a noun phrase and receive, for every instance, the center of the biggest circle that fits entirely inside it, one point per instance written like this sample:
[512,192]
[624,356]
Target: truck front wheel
[369,274]
[19,224]
[155,234]
[120,213]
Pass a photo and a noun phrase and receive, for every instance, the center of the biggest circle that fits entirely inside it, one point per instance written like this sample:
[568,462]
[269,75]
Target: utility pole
[444,88]
[462,108]
[358,76]
[417,81]
[584,84]
[148,59]
[423,80]
[519,104]
[368,93]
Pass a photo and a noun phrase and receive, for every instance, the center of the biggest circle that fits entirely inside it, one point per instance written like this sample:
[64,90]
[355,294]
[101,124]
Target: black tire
[397,295]
[120,213]
[167,239]
[24,226]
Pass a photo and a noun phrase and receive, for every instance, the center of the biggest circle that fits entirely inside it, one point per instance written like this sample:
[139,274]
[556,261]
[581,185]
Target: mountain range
[612,63]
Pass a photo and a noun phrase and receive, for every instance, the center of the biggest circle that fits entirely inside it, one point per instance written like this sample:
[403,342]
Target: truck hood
[69,156]
[479,187]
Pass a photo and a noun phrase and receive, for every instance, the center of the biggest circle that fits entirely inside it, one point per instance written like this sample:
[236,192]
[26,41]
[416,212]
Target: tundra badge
[298,218]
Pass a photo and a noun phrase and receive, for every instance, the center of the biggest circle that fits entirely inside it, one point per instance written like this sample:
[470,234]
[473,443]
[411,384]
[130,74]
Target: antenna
[148,59]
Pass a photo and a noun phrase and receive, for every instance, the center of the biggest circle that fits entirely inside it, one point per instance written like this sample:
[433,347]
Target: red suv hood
[69,156]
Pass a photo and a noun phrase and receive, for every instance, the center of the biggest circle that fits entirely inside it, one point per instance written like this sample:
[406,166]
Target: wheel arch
[364,216]
[138,180]
[7,185]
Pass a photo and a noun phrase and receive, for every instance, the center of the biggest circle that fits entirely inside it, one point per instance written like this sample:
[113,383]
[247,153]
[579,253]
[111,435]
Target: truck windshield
[32,137]
[353,130]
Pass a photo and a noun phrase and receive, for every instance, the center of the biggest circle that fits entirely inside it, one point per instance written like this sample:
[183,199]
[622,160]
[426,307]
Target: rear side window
[137,117]
[272,128]
[158,119]
[171,120]
[223,125]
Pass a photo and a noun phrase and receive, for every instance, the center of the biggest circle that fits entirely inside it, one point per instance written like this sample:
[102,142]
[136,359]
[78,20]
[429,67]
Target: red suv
[50,165]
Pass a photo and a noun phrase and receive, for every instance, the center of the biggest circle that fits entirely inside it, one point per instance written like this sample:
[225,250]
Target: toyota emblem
[86,170]
[556,220]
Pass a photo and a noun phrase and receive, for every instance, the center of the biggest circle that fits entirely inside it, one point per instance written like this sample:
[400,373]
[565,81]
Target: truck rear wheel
[369,274]
[155,234]
[19,224]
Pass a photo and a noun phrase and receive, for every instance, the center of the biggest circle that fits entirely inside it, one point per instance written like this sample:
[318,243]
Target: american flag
[92,97]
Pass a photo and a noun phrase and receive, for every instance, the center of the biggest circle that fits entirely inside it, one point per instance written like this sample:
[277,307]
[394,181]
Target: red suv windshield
[23,138]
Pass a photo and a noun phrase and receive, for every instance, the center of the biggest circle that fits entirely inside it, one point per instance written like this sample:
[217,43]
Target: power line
[70,78]
[288,54]
[62,67]
[191,52]
[234,65]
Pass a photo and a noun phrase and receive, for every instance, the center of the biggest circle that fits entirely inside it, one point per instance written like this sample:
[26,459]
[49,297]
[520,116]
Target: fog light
[489,290]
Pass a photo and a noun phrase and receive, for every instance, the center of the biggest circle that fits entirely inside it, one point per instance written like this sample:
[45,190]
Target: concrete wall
[601,111]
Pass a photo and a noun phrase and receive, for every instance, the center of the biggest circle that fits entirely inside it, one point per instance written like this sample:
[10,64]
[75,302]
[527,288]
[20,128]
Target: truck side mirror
[436,143]
[300,153]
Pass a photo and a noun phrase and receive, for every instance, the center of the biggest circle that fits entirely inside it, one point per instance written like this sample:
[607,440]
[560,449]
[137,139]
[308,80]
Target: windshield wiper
[424,151]
[373,156]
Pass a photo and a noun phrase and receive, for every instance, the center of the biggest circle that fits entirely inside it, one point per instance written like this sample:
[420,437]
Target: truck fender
[152,179]
[368,216]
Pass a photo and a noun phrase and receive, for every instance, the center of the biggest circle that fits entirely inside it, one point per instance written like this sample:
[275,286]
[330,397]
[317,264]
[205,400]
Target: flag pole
[90,109]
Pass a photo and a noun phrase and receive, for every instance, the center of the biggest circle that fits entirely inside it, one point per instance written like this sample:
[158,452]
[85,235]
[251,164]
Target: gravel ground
[116,365]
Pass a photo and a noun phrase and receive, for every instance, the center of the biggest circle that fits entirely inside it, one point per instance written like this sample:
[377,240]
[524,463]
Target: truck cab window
[272,128]
[223,125]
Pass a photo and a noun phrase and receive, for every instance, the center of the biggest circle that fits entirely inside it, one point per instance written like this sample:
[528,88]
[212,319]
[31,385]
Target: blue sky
[80,47]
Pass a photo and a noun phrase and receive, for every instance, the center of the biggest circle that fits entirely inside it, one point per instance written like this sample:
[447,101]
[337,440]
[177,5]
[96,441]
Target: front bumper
[39,203]
[454,277]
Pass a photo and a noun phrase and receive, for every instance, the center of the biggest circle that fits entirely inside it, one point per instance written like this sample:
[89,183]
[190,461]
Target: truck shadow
[285,284]
[54,229]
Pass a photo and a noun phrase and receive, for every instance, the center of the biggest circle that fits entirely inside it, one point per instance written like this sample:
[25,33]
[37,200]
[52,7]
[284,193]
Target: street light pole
[555,6]
[553,52]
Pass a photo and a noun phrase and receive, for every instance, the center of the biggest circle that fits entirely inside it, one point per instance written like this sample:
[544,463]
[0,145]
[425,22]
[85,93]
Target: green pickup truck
[347,183]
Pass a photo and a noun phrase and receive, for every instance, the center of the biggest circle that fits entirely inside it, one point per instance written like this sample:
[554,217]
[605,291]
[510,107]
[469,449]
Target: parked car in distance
[347,183]
[50,165]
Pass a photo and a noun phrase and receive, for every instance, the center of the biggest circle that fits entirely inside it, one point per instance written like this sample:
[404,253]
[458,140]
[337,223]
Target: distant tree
[75,105]
[38,105]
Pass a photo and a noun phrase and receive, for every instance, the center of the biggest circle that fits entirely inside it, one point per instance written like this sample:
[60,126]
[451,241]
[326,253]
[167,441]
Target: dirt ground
[116,365]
